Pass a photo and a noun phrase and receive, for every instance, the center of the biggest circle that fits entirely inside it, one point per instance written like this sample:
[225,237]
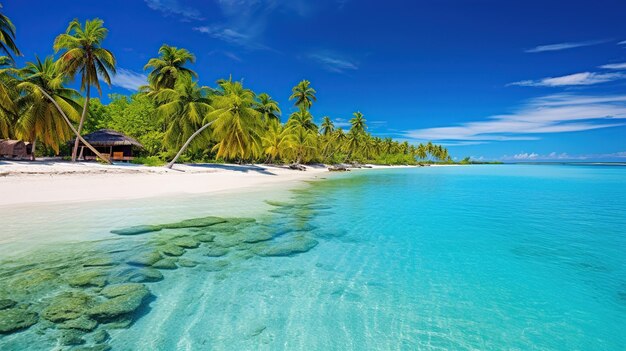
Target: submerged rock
[71,337]
[195,223]
[145,275]
[100,336]
[186,242]
[123,300]
[99,262]
[33,281]
[215,252]
[81,323]
[87,278]
[136,230]
[166,263]
[215,266]
[66,306]
[100,347]
[14,319]
[7,303]
[171,250]
[183,262]
[290,247]
[205,238]
[145,259]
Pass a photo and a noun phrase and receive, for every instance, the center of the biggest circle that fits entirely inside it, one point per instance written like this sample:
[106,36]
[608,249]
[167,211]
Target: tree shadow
[237,168]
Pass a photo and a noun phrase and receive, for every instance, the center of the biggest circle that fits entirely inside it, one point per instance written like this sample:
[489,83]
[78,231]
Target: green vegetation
[173,115]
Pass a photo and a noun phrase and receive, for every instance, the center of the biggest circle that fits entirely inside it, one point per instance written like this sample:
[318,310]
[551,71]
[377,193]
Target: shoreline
[41,182]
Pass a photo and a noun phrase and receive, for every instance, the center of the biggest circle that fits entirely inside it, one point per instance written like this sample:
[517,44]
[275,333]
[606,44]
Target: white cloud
[231,36]
[333,63]
[128,79]
[558,113]
[174,8]
[623,42]
[584,78]
[564,46]
[563,156]
[614,66]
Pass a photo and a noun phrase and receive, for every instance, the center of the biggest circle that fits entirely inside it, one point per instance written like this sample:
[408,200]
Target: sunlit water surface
[451,258]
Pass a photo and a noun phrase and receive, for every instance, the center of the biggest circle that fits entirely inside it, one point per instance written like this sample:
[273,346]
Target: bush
[151,161]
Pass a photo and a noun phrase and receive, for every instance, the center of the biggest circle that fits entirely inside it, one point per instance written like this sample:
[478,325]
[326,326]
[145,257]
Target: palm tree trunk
[82,121]
[182,149]
[32,151]
[69,123]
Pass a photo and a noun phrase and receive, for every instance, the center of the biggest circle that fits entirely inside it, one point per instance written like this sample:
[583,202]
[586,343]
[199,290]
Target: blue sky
[491,79]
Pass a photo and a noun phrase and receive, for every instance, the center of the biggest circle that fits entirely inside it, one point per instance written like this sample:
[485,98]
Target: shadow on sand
[238,168]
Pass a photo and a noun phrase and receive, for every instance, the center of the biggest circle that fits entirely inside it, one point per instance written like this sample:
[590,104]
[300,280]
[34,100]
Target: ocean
[482,257]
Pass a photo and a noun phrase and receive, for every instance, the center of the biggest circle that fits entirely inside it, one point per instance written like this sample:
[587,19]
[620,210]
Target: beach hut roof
[109,137]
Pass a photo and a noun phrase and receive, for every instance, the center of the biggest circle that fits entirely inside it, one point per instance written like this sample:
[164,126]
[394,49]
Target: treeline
[173,115]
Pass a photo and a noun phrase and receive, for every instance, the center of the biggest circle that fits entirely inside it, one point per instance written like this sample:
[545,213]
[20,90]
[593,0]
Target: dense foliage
[226,123]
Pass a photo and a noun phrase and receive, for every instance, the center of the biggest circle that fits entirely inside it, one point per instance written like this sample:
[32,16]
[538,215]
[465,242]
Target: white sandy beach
[23,183]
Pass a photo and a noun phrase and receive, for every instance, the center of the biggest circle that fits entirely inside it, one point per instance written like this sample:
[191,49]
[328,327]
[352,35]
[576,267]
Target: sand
[23,183]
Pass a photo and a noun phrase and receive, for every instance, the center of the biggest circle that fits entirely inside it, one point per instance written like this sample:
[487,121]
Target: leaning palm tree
[83,54]
[7,37]
[358,122]
[39,117]
[183,109]
[303,95]
[327,126]
[237,122]
[236,119]
[268,108]
[169,66]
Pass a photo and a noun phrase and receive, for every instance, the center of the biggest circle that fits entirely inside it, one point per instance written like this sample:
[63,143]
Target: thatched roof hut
[13,148]
[110,143]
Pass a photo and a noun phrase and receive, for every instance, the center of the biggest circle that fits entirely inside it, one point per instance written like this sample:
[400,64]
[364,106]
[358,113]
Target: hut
[13,149]
[110,143]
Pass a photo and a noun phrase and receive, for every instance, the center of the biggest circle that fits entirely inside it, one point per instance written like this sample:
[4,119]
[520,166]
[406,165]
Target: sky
[491,79]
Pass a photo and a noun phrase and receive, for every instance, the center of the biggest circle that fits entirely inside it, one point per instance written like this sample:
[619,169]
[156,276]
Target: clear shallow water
[481,257]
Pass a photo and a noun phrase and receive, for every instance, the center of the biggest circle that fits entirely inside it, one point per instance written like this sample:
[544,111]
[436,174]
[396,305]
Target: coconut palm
[237,122]
[8,94]
[39,117]
[276,141]
[7,37]
[327,126]
[304,144]
[83,54]
[358,122]
[169,66]
[302,119]
[184,109]
[268,108]
[303,95]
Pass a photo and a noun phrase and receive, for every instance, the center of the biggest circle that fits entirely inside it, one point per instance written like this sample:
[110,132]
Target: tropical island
[173,116]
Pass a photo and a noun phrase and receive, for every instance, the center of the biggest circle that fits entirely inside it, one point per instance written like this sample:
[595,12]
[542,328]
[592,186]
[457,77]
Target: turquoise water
[519,257]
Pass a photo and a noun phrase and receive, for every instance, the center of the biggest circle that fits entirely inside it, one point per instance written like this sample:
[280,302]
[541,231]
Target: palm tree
[268,108]
[8,94]
[276,141]
[237,122]
[303,95]
[327,126]
[39,117]
[304,144]
[302,119]
[358,122]
[184,109]
[84,54]
[7,37]
[169,66]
